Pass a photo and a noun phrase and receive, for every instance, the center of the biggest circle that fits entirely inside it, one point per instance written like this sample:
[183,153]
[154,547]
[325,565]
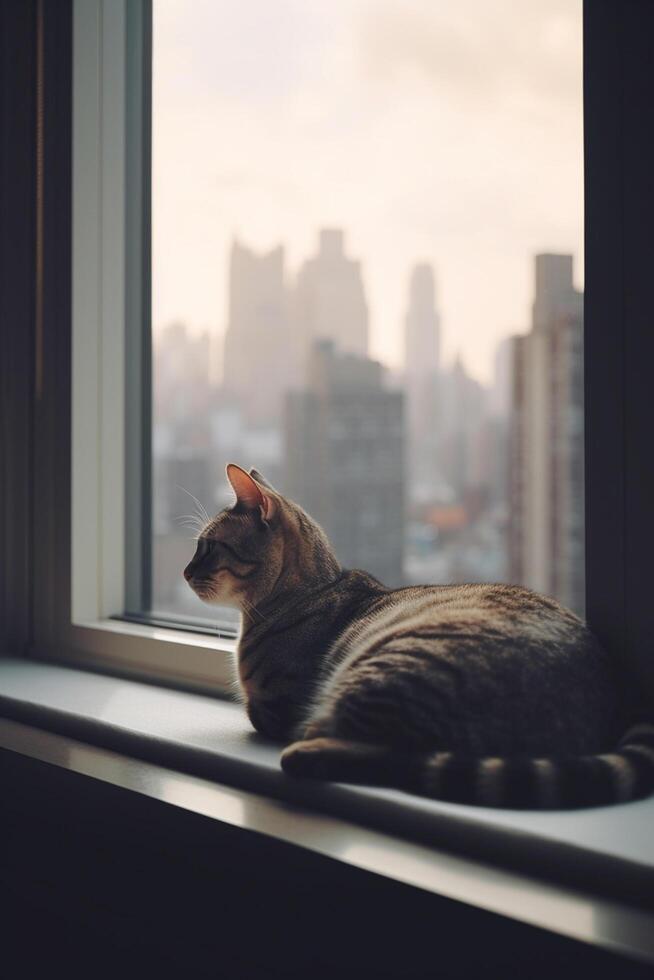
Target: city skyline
[372,216]
[424,143]
[287,280]
[427,477]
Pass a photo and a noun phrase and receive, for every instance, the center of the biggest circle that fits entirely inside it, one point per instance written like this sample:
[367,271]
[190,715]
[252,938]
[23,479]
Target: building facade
[344,452]
[256,366]
[546,478]
[329,301]
[422,368]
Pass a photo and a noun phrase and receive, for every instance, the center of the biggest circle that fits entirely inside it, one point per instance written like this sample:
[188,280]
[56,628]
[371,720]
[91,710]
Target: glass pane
[367,264]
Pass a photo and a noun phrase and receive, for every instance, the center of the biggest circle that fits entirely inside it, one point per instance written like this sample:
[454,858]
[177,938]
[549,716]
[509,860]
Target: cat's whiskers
[192,522]
[200,509]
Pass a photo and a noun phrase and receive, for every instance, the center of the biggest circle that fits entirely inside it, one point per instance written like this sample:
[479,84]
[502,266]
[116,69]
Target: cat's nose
[188,573]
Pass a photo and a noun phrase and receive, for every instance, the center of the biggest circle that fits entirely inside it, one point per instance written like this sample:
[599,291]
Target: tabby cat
[480,694]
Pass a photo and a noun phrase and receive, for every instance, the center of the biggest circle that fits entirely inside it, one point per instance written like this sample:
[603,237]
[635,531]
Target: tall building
[344,459]
[181,375]
[422,364]
[329,301]
[256,367]
[546,520]
[462,404]
[422,324]
[181,438]
[182,461]
[497,442]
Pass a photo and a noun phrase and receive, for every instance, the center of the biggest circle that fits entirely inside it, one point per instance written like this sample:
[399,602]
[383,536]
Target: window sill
[585,874]
[185,660]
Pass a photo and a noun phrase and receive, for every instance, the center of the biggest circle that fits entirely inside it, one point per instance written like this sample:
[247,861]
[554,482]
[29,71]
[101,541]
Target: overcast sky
[428,131]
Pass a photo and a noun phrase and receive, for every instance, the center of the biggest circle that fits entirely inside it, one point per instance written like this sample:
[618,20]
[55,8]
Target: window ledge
[587,874]
[161,655]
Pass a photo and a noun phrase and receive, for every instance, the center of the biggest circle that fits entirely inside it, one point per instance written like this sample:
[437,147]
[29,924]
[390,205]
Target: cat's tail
[564,783]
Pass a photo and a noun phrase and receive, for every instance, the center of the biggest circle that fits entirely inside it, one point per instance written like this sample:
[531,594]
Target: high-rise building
[462,403]
[329,301]
[182,462]
[344,459]
[496,439]
[554,291]
[422,363]
[256,366]
[182,381]
[546,519]
[500,392]
[422,324]
[182,402]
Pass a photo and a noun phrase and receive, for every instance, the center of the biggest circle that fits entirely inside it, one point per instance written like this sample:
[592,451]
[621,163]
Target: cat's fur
[482,694]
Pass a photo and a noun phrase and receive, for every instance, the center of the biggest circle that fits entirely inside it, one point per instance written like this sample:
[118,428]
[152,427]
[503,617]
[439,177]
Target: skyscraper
[422,324]
[422,363]
[462,410]
[329,300]
[256,367]
[182,461]
[546,521]
[182,380]
[344,459]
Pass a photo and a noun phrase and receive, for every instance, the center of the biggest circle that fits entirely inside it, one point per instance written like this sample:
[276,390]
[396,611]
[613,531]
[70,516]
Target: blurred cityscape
[419,476]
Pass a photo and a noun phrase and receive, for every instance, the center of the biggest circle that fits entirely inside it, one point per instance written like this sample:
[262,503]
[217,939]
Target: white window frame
[87,634]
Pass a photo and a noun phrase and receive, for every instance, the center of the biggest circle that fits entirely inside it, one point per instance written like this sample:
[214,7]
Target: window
[367,262]
[72,616]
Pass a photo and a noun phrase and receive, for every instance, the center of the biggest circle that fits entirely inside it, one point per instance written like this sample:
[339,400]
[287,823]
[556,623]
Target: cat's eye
[204,547]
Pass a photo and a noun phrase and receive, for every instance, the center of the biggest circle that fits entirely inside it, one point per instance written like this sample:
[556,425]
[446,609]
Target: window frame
[619,215]
[619,210]
[95,409]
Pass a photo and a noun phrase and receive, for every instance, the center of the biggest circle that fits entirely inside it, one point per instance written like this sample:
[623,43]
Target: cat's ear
[261,480]
[248,493]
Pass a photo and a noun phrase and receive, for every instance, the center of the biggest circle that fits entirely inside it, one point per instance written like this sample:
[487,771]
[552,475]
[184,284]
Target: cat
[480,694]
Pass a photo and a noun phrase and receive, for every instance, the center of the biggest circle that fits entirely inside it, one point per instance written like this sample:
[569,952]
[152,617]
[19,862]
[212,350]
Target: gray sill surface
[609,850]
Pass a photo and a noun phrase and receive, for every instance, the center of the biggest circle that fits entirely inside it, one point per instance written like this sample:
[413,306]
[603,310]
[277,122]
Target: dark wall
[101,881]
[619,328]
[17,286]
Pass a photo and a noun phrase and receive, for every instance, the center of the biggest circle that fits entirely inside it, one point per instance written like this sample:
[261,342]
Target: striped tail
[556,783]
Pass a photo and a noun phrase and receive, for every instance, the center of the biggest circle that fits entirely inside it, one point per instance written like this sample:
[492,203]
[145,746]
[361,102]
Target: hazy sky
[429,131]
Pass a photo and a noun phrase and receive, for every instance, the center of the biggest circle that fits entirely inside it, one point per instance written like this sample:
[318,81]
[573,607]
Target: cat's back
[508,666]
[483,611]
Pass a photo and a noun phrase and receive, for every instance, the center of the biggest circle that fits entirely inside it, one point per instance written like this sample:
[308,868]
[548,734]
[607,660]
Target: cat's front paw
[268,721]
[309,759]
